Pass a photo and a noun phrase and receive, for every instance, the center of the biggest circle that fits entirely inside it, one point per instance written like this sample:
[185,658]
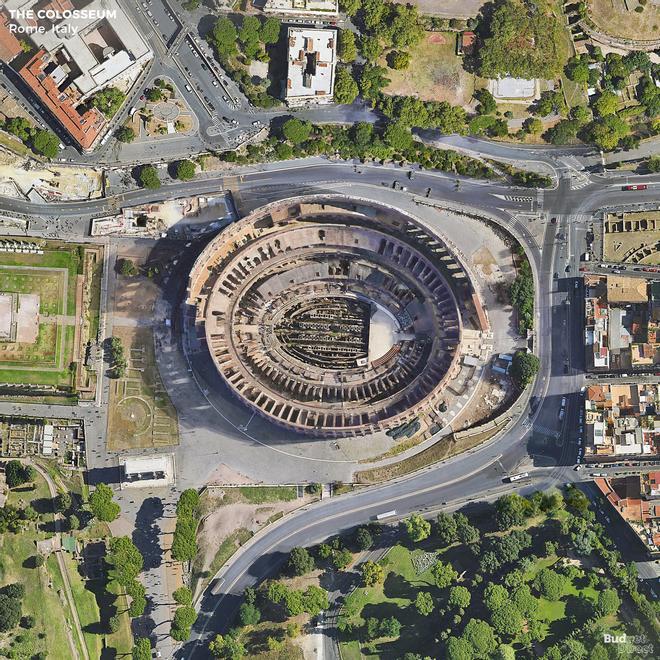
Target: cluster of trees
[126,267]
[17,473]
[363,141]
[102,504]
[291,602]
[141,649]
[184,543]
[39,140]
[522,40]
[236,46]
[64,504]
[521,294]
[125,134]
[11,604]
[125,564]
[118,361]
[108,101]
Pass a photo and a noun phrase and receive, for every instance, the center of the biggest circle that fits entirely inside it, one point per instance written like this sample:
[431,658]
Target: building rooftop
[621,289]
[311,73]
[10,46]
[44,76]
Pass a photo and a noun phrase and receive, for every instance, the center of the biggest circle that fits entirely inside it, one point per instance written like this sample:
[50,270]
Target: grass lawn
[88,610]
[435,73]
[261,495]
[122,640]
[142,414]
[228,547]
[41,584]
[394,597]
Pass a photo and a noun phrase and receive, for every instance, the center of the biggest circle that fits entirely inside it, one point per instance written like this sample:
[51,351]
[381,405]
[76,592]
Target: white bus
[387,514]
[518,477]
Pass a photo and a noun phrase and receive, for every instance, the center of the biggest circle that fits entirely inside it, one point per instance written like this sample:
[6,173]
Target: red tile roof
[85,128]
[10,46]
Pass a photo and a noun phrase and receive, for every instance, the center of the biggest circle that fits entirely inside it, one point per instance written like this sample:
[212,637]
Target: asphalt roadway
[478,473]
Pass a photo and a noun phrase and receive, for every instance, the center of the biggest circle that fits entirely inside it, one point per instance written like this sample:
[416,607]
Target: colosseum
[333,316]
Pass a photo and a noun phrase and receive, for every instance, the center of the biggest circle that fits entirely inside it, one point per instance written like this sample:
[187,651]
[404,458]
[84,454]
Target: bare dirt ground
[436,73]
[446,8]
[612,17]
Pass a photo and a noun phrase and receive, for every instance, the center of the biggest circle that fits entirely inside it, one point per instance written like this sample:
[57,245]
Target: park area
[141,413]
[526,588]
[45,292]
[435,73]
[29,553]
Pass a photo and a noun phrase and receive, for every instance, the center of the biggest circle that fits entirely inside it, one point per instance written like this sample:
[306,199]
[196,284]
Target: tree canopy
[102,504]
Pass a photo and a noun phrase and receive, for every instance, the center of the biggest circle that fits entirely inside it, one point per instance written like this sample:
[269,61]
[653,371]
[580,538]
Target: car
[577,284]
[553,221]
[256,123]
[225,99]
[149,14]
[214,83]
[616,271]
[635,186]
[555,276]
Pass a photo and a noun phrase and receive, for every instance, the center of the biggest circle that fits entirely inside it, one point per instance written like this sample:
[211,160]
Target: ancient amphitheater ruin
[332,315]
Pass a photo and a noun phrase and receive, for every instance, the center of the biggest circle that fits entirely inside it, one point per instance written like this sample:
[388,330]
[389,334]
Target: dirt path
[65,575]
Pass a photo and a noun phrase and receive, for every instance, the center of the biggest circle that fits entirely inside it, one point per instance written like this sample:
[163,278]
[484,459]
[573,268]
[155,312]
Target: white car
[214,83]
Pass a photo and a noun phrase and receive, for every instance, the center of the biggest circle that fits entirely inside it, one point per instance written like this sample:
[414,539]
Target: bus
[387,514]
[518,477]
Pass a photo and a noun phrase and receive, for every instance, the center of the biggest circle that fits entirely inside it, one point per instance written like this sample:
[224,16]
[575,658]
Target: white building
[303,7]
[311,73]
[99,48]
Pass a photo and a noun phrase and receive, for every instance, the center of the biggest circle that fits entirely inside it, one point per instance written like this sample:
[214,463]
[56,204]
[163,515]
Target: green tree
[363,539]
[458,649]
[653,164]
[296,131]
[182,596]
[350,7]
[504,52]
[102,505]
[315,600]
[184,170]
[347,46]
[507,620]
[443,574]
[113,623]
[550,584]
[398,60]
[606,104]
[424,603]
[154,94]
[342,558]
[608,602]
[63,502]
[533,125]
[142,649]
[125,560]
[459,598]
[372,573]
[372,81]
[19,127]
[390,627]
[495,595]
[224,37]
[487,104]
[249,615]
[46,143]
[149,177]
[481,637]
[346,89]
[399,138]
[125,134]
[17,473]
[417,528]
[300,561]
[126,267]
[523,599]
[465,532]
[108,101]
[577,69]
[184,543]
[184,618]
[370,48]
[510,510]
[293,603]
[563,132]
[276,591]
[524,367]
[606,133]
[227,647]
[270,30]
[445,528]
